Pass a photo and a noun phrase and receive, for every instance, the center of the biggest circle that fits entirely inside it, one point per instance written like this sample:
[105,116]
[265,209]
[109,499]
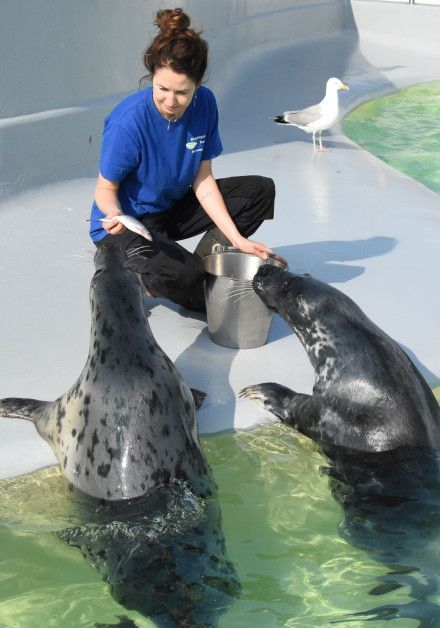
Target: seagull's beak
[344,87]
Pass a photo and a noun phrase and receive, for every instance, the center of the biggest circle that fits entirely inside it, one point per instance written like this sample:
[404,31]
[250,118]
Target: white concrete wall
[398,26]
[63,62]
[66,63]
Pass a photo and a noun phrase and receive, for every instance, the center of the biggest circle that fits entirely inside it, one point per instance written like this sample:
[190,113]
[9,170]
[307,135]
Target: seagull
[316,118]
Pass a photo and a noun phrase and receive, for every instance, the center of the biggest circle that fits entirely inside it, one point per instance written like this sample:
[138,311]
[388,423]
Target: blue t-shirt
[155,161]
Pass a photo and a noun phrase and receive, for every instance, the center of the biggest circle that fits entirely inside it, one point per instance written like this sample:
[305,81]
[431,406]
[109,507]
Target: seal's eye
[285,287]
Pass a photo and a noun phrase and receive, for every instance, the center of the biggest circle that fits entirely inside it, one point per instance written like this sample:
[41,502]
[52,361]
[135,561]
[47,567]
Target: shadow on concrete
[207,366]
[326,260]
[432,379]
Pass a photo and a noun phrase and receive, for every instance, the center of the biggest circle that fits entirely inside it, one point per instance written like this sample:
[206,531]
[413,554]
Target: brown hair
[177,46]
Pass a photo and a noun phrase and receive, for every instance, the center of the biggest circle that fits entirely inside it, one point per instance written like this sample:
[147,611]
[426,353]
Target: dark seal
[126,433]
[390,506]
[368,395]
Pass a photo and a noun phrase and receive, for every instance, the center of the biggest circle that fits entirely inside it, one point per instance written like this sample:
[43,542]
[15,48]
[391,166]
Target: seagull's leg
[321,149]
[313,136]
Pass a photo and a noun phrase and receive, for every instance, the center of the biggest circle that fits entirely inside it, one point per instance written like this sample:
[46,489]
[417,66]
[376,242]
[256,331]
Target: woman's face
[172,92]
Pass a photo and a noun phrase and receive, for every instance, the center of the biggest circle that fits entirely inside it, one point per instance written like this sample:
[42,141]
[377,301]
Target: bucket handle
[221,248]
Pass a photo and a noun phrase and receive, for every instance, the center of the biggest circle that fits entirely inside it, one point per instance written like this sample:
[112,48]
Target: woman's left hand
[249,246]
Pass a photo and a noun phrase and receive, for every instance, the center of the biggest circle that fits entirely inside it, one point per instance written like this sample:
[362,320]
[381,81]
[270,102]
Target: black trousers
[167,268]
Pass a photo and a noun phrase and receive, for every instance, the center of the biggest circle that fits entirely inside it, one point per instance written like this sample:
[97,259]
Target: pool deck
[342,215]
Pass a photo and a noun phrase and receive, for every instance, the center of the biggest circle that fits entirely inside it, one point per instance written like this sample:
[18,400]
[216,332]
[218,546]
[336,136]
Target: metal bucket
[237,317]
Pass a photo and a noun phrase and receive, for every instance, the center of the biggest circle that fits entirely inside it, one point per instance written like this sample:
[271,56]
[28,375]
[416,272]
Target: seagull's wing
[303,117]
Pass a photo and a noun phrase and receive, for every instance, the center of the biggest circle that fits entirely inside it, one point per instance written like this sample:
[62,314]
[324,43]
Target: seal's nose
[265,273]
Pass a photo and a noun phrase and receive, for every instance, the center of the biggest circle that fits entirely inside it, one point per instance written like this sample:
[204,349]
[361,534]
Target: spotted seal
[128,423]
[368,395]
[126,433]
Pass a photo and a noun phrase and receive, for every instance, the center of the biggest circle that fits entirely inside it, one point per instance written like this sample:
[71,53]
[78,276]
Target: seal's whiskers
[250,294]
[138,251]
[239,291]
[240,285]
[88,257]
[138,248]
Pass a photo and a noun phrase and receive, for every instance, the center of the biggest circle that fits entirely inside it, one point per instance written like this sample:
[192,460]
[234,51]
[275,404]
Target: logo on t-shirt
[196,144]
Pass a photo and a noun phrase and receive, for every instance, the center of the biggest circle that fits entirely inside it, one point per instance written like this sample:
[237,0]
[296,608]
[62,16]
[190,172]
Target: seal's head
[114,282]
[294,297]
[112,262]
[110,257]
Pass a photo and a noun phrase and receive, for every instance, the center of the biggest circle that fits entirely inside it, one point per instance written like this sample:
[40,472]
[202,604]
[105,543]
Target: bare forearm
[107,201]
[106,197]
[210,198]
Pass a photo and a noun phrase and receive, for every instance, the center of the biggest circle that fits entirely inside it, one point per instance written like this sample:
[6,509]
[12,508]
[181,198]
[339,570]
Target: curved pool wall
[67,64]
[343,215]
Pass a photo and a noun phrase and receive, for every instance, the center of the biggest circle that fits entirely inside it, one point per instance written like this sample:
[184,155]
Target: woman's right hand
[250,246]
[113,226]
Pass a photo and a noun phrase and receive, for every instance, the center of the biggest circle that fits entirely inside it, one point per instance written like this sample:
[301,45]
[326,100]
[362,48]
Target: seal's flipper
[16,408]
[199,396]
[272,397]
[281,401]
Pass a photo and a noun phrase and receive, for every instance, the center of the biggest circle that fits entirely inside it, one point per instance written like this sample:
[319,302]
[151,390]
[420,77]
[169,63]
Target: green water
[281,528]
[403,130]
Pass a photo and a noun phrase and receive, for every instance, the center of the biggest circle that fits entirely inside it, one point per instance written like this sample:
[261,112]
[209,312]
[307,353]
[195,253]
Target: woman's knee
[266,187]
[266,191]
[261,206]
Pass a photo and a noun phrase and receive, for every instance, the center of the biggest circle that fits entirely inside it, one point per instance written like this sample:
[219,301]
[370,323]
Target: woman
[156,165]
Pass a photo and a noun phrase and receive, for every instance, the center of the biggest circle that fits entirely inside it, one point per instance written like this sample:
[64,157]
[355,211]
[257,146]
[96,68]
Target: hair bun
[176,46]
[170,21]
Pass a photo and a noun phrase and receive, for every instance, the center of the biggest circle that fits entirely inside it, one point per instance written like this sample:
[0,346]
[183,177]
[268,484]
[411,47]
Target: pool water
[302,558]
[402,129]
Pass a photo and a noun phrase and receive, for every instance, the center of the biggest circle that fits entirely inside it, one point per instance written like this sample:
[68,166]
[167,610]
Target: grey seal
[128,423]
[125,435]
[390,509]
[368,395]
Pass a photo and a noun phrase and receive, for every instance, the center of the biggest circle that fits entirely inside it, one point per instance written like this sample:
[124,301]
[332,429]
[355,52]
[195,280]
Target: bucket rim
[225,250]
